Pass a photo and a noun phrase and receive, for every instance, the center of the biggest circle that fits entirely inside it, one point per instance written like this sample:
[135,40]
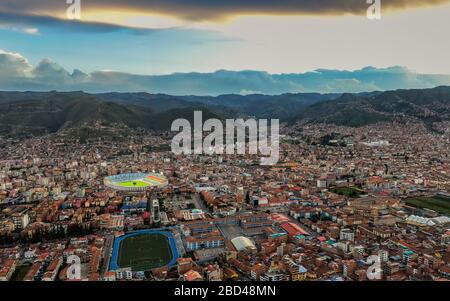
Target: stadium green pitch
[144,252]
[136,183]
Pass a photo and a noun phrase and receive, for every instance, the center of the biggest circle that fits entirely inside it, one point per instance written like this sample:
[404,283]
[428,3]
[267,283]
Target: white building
[20,220]
[242,243]
[347,234]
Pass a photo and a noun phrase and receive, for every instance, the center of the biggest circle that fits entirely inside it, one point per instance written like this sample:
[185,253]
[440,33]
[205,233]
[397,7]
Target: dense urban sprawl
[337,196]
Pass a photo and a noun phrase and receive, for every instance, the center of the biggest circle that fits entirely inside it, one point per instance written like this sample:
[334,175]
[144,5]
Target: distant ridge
[43,112]
[428,105]
[38,113]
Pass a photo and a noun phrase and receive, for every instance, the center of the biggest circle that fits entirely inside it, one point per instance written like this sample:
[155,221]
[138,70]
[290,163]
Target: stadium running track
[114,265]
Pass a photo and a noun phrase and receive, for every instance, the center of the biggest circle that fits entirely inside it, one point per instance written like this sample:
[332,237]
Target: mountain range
[43,112]
[428,105]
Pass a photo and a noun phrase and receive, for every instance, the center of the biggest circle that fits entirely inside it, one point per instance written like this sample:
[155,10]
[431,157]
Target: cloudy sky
[40,48]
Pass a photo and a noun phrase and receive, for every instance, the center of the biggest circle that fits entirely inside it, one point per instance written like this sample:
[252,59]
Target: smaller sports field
[144,250]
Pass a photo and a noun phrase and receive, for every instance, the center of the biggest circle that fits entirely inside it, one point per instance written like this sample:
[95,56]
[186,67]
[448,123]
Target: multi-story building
[383,255]
[204,241]
[347,234]
[7,269]
[20,220]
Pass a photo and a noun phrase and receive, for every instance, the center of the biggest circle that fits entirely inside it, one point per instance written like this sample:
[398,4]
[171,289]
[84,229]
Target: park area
[352,192]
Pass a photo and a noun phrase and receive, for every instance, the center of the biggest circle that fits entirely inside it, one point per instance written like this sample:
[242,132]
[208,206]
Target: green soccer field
[437,203]
[136,183]
[144,252]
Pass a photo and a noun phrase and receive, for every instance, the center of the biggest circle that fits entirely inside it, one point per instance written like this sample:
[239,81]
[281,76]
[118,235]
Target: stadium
[144,250]
[135,181]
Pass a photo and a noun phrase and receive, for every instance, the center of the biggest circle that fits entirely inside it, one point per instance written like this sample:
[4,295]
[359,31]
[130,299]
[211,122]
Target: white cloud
[49,71]
[26,30]
[248,92]
[31,30]
[13,65]
[16,73]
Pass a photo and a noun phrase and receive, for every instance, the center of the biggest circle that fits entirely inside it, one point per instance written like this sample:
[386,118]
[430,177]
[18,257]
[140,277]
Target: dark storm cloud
[216,9]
